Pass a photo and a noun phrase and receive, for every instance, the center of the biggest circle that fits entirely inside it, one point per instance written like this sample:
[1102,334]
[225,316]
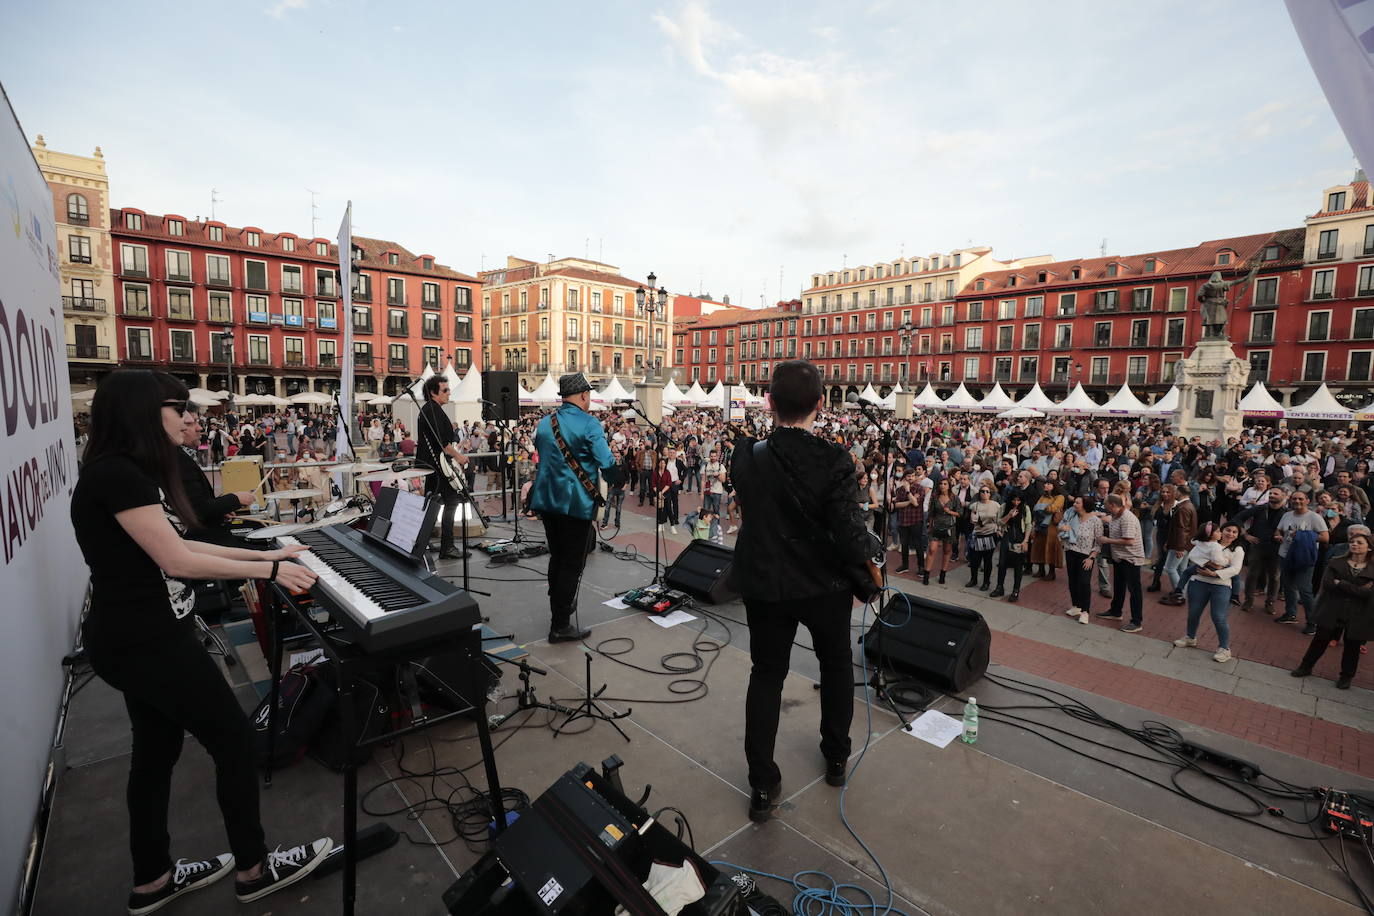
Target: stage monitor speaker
[941,644]
[501,391]
[453,680]
[702,570]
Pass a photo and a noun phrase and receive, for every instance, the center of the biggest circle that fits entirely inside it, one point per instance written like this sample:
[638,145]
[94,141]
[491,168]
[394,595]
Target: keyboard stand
[348,663]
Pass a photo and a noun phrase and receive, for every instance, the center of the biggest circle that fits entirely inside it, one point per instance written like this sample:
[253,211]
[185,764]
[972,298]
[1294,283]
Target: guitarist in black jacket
[436,440]
[801,530]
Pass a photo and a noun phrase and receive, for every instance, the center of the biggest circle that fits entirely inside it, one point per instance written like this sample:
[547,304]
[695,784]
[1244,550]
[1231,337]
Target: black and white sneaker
[186,877]
[283,867]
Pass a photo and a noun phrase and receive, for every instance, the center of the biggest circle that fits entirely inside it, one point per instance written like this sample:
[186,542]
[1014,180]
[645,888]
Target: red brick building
[206,301]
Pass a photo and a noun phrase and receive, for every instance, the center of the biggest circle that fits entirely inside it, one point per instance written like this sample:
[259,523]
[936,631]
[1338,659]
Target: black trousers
[449,497]
[569,540]
[1350,650]
[1126,578]
[170,688]
[1008,559]
[1080,580]
[772,627]
[980,560]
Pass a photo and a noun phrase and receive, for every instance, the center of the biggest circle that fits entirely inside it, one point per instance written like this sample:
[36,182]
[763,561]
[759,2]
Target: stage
[1011,825]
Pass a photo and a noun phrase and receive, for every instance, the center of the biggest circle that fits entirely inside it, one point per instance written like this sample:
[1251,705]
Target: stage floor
[1011,825]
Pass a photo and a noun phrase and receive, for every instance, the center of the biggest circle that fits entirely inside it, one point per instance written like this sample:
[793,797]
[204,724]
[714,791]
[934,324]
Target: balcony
[183,357]
[430,304]
[259,286]
[573,336]
[362,327]
[512,338]
[398,301]
[79,258]
[178,277]
[1061,345]
[295,361]
[87,351]
[137,311]
[398,364]
[78,219]
[327,361]
[138,356]
[138,272]
[1260,337]
[221,281]
[946,348]
[82,304]
[292,289]
[594,338]
[175,313]
[541,335]
[362,362]
[259,361]
[326,290]
[462,335]
[362,295]
[430,333]
[394,329]
[220,316]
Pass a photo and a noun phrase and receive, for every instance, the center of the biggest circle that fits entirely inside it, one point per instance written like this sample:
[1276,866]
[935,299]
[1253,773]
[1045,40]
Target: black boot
[972,580]
[942,577]
[1154,584]
[925,577]
[1014,597]
[996,592]
[984,586]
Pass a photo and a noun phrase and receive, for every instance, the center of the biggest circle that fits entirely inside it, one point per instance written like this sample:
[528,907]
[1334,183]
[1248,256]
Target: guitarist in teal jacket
[566,496]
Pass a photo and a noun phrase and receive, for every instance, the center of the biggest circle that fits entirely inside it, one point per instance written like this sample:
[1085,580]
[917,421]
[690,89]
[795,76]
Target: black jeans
[170,688]
[449,497]
[1008,559]
[1262,565]
[913,536]
[1350,651]
[568,539]
[646,483]
[980,559]
[1080,580]
[1126,577]
[772,627]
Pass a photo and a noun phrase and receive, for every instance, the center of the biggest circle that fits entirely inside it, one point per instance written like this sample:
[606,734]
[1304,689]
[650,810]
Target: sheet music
[407,518]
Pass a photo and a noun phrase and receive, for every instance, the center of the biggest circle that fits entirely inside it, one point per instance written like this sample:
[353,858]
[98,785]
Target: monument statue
[1215,296]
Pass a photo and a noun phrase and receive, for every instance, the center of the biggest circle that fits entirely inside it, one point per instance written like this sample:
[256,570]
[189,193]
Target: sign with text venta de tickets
[42,577]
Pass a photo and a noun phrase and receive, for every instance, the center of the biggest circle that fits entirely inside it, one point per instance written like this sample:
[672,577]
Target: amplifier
[702,570]
[944,645]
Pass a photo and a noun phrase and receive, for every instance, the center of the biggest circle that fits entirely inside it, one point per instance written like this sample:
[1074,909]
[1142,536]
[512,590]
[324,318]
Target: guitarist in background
[801,532]
[572,453]
[436,439]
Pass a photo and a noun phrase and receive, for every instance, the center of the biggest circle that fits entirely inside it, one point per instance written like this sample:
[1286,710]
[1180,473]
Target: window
[293,313]
[971,365]
[255,274]
[1149,265]
[77,211]
[975,311]
[949,289]
[1111,270]
[1035,306]
[254,239]
[1359,366]
[214,233]
[1271,252]
[178,265]
[362,355]
[1318,326]
[1223,258]
[259,350]
[1259,366]
[133,220]
[133,260]
[1142,300]
[395,291]
[1266,291]
[1313,367]
[257,308]
[291,279]
[322,249]
[328,352]
[572,299]
[1178,299]
[1366,284]
[1173,332]
[138,343]
[398,356]
[1102,334]
[1140,333]
[429,326]
[136,301]
[288,243]
[221,308]
[1326,243]
[179,305]
[396,322]
[1323,284]
[1368,239]
[1362,328]
[1068,302]
[1063,336]
[362,287]
[1004,335]
[1100,367]
[429,295]
[462,327]
[393,258]
[1030,368]
[1335,201]
[294,350]
[1105,301]
[217,270]
[1262,328]
[1030,337]
[1006,308]
[973,338]
[1136,367]
[79,249]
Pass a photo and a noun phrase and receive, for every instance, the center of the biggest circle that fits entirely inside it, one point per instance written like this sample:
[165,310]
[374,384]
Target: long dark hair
[126,419]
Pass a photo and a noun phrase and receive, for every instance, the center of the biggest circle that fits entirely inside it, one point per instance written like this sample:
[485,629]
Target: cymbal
[293,494]
[345,517]
[271,532]
[378,477]
[413,473]
[356,467]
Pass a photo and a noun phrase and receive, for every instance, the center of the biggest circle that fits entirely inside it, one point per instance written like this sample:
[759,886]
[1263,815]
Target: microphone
[625,400]
[867,403]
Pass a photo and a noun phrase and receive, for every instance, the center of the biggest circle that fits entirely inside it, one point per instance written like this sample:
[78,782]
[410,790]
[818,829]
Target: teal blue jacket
[556,488]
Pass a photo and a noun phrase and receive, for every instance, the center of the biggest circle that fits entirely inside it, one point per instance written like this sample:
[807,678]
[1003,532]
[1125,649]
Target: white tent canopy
[614,391]
[672,394]
[696,394]
[311,397]
[262,400]
[1258,402]
[1165,405]
[996,399]
[1123,402]
[1077,402]
[754,400]
[546,393]
[1035,399]
[1321,406]
[525,396]
[716,397]
[961,399]
[1366,412]
[1018,413]
[469,390]
[928,398]
[870,393]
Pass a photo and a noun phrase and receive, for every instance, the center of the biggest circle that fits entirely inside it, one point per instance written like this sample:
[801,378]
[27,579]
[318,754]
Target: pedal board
[655,599]
[1342,814]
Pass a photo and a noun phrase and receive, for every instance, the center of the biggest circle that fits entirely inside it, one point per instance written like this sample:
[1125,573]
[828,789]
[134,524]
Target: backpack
[1302,553]
[304,700]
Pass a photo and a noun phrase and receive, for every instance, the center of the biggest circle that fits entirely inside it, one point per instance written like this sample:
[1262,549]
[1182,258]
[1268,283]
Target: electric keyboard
[384,604]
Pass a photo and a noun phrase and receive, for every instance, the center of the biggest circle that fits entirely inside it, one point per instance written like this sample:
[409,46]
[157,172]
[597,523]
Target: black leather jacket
[783,553]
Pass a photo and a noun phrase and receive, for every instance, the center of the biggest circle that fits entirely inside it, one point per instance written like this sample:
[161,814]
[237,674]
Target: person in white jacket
[1211,586]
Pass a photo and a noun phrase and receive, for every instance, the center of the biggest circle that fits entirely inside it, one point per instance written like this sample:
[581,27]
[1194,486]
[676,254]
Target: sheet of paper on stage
[673,619]
[301,658]
[935,728]
[617,602]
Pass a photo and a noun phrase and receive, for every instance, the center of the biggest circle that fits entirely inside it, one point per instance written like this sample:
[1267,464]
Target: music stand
[589,708]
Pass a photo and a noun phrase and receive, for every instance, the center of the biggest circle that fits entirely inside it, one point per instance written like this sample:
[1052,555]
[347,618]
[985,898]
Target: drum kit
[353,510]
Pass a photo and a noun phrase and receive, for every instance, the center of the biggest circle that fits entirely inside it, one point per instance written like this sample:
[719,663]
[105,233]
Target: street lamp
[651,301]
[228,343]
[905,328]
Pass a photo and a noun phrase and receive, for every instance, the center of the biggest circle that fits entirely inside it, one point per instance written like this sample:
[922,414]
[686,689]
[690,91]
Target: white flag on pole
[346,365]
[1338,36]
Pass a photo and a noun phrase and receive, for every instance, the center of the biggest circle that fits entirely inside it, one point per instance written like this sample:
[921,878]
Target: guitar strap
[578,471]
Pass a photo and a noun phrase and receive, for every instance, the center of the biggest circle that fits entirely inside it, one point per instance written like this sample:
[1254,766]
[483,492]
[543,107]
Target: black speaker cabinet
[941,644]
[702,570]
[501,391]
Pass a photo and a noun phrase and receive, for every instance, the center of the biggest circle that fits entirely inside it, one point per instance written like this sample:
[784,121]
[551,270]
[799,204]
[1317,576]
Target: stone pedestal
[650,400]
[905,401]
[1210,382]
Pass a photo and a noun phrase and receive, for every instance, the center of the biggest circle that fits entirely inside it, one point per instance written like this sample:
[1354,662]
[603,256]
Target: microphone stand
[660,438]
[459,485]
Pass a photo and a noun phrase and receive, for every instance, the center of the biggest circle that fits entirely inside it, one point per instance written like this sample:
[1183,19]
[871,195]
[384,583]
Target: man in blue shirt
[564,501]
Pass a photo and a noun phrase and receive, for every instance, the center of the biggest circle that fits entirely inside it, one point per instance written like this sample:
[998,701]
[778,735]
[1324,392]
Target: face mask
[1330,513]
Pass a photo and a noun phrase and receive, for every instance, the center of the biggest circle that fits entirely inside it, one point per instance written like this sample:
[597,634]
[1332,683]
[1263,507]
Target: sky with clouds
[729,147]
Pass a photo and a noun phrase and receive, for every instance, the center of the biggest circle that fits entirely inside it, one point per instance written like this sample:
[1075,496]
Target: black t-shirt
[436,432]
[132,601]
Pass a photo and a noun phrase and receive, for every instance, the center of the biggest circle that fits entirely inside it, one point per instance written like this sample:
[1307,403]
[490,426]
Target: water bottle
[970,734]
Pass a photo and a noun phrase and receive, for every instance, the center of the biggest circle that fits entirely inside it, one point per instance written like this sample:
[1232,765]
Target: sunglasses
[178,406]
